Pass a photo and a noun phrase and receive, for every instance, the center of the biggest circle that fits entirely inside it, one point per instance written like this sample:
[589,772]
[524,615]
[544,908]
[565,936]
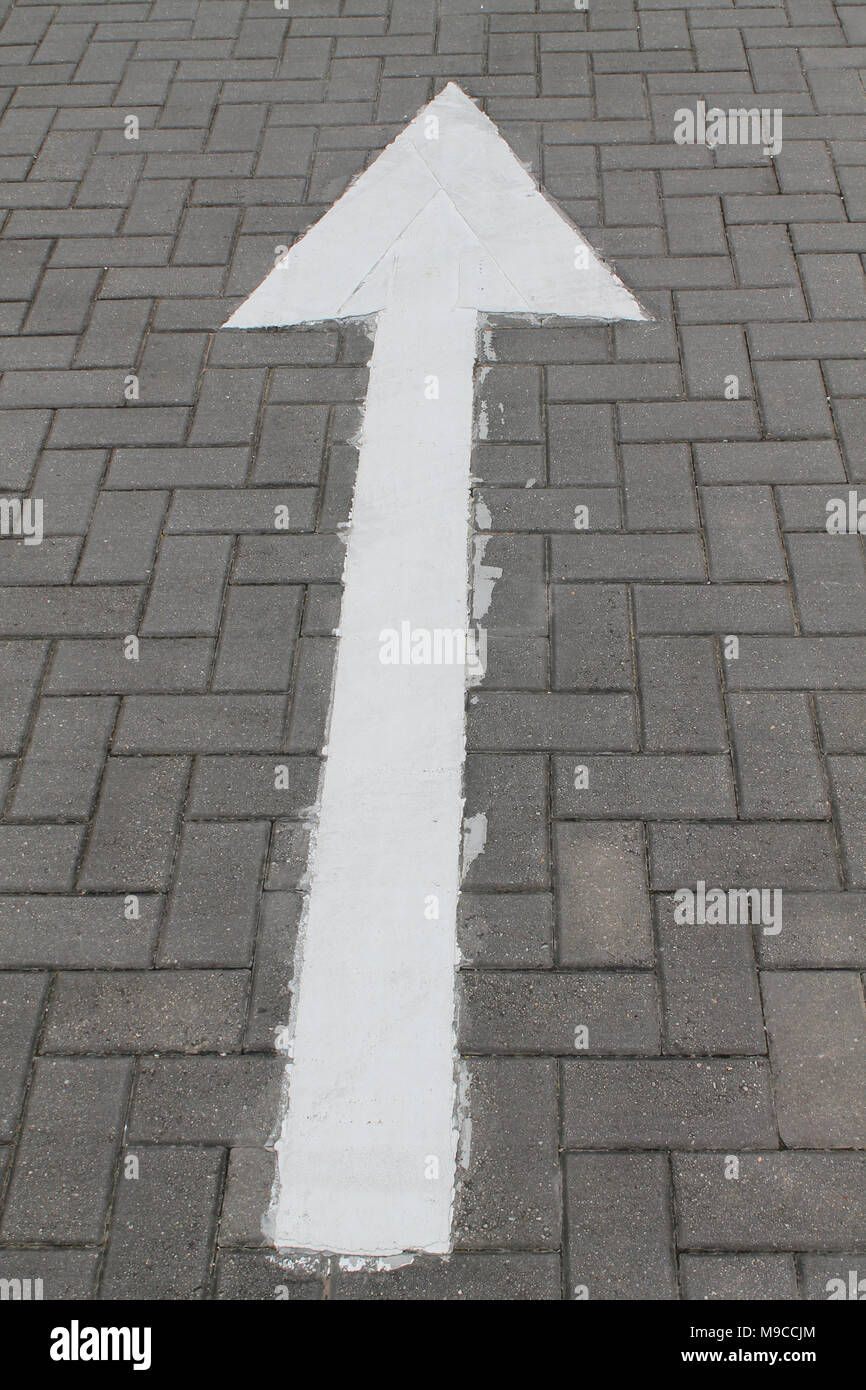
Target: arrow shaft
[367,1149]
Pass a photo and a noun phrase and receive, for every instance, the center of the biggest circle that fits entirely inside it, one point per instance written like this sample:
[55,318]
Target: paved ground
[148,866]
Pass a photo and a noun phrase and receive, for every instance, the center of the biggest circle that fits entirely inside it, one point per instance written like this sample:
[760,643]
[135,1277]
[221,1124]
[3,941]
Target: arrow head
[450,194]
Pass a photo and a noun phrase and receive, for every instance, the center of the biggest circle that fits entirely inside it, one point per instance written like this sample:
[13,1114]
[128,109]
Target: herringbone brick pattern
[676,692]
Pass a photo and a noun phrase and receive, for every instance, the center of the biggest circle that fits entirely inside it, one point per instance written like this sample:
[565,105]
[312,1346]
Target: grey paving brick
[283,150]
[63,301]
[61,1180]
[711,1001]
[164,1225]
[249,1182]
[114,333]
[591,637]
[240,510]
[793,400]
[249,1274]
[849,421]
[672,420]
[814,663]
[21,264]
[311,694]
[68,484]
[530,721]
[177,467]
[817,1029]
[695,225]
[212,914]
[147,1011]
[519,602]
[618,1215]
[21,667]
[841,720]
[517,663]
[289,559]
[632,557]
[790,855]
[549,509]
[187,590]
[630,199]
[762,256]
[808,508]
[156,207]
[206,1100]
[848,783]
[837,91]
[829,580]
[644,786]
[64,1274]
[680,695]
[270,996]
[109,427]
[63,764]
[668,1102]
[776,758]
[168,372]
[21,436]
[799,340]
[291,444]
[581,448]
[634,381]
[821,931]
[164,665]
[76,932]
[659,489]
[834,286]
[131,843]
[63,155]
[781,1201]
[506,929]
[38,858]
[463,1276]
[23,998]
[49,611]
[781,305]
[199,724]
[189,104]
[511,792]
[206,237]
[740,1278]
[713,355]
[509,1011]
[257,636]
[227,407]
[226,787]
[844,378]
[510,1197]
[603,910]
[52,562]
[813,462]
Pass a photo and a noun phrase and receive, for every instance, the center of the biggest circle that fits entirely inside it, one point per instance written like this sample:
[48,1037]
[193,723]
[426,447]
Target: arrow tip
[450,156]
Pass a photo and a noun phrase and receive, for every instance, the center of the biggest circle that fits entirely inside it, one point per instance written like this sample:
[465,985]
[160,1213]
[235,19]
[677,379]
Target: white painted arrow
[445,223]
